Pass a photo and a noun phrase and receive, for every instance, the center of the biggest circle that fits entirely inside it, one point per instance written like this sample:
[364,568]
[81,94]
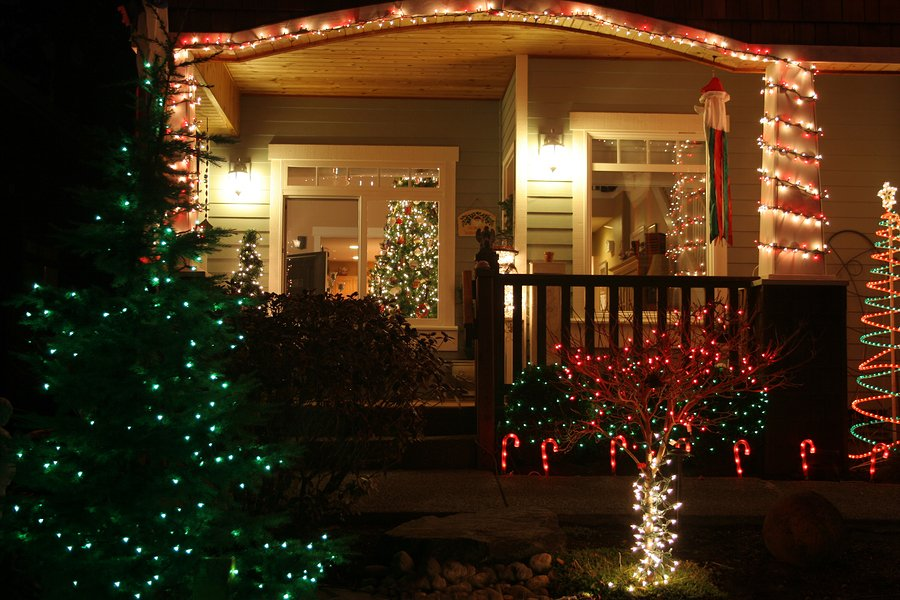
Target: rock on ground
[501,535]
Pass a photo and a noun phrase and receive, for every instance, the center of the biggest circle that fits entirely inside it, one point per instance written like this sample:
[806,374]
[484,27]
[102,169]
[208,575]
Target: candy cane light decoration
[812,450]
[612,450]
[544,459]
[737,455]
[879,448]
[503,452]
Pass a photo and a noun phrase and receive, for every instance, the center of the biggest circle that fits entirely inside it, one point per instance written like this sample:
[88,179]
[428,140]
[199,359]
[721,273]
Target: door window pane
[633,151]
[605,151]
[322,251]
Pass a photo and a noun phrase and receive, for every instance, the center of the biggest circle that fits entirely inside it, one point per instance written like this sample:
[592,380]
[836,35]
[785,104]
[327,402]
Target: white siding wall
[473,126]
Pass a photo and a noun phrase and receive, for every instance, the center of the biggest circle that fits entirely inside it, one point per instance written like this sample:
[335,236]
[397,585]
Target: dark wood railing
[611,309]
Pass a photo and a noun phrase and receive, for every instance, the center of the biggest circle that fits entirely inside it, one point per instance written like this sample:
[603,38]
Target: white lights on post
[239,177]
[552,150]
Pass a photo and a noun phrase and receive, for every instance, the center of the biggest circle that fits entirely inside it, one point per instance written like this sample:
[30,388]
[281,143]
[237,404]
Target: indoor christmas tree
[878,408]
[406,270]
[245,280]
[136,485]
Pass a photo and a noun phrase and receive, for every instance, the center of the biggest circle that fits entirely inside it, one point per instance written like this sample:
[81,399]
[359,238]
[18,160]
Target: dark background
[67,73]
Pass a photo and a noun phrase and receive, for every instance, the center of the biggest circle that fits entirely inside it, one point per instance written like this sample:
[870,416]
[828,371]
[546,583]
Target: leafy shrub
[536,409]
[341,380]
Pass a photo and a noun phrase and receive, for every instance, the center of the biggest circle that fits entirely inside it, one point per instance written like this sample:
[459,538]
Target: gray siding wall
[860,118]
[560,86]
[473,126]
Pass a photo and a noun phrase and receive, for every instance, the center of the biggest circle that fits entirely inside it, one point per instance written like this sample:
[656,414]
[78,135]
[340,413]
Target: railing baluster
[637,317]
[565,316]
[613,316]
[733,325]
[662,308]
[517,328]
[589,292]
[541,324]
[685,315]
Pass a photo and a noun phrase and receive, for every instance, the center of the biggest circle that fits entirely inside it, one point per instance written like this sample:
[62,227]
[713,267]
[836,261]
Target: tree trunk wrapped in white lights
[653,538]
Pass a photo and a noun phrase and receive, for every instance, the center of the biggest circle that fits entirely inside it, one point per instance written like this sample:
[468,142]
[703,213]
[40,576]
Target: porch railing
[589,311]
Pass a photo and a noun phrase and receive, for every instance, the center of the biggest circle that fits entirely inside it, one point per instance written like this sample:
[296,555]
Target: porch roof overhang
[431,51]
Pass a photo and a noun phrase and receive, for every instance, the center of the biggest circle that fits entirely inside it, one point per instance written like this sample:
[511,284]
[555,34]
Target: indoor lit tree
[136,485]
[245,280]
[878,408]
[655,392]
[406,270]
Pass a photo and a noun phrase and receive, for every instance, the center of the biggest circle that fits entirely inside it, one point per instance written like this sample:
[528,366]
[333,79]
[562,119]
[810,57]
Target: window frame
[587,126]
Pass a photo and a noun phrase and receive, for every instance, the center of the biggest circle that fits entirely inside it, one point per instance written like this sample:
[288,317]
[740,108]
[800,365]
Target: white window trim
[586,126]
[283,156]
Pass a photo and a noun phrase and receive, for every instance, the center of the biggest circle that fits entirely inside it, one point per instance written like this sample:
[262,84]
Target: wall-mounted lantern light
[552,150]
[239,177]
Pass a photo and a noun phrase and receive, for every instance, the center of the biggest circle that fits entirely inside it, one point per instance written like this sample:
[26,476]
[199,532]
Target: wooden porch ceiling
[448,58]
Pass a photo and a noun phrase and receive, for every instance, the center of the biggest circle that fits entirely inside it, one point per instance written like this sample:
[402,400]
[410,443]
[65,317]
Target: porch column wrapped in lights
[792,238]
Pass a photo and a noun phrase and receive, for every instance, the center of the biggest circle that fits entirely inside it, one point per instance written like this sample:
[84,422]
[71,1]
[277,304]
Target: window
[367,219]
[644,200]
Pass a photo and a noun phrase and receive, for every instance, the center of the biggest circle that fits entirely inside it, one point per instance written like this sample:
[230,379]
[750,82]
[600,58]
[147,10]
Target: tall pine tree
[134,486]
[406,271]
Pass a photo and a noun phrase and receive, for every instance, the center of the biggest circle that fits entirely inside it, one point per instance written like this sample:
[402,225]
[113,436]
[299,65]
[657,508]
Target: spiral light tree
[879,406]
[655,392]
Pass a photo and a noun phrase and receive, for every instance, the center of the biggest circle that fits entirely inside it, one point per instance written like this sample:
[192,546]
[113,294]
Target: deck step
[441,452]
[449,419]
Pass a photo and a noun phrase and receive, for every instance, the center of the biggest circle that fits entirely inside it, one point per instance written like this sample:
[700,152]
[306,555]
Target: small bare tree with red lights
[659,389]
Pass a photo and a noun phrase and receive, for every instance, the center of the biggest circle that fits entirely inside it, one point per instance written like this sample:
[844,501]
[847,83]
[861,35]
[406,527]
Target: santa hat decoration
[714,85]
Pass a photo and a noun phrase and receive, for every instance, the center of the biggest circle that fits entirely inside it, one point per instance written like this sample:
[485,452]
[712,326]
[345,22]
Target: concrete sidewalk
[441,492]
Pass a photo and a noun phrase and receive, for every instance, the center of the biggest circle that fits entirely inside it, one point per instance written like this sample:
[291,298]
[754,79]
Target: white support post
[791,235]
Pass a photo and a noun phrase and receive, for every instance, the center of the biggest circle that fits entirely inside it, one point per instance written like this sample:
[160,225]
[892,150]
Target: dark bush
[342,380]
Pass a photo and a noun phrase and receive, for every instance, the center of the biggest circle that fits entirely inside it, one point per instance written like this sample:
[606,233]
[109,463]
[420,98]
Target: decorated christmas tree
[137,484]
[245,280]
[406,270]
[879,423]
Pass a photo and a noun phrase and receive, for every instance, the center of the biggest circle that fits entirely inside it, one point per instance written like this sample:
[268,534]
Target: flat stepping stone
[493,535]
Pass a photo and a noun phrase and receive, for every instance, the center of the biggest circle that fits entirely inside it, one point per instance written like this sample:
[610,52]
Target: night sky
[68,77]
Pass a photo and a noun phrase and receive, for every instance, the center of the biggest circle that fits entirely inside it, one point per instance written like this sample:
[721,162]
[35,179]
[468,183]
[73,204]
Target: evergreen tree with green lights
[245,280]
[136,485]
[406,270]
